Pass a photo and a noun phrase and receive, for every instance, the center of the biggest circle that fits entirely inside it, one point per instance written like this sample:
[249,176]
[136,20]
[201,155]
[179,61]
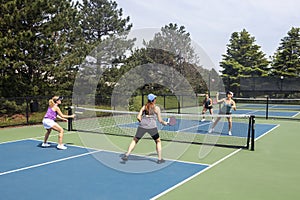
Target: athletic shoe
[210,130]
[202,120]
[124,158]
[46,145]
[229,133]
[61,147]
[160,161]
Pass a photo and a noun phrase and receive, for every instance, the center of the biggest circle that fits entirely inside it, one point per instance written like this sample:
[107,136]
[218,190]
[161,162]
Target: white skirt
[48,123]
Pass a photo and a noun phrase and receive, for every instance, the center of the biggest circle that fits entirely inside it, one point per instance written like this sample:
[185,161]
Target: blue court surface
[270,113]
[28,171]
[260,110]
[271,106]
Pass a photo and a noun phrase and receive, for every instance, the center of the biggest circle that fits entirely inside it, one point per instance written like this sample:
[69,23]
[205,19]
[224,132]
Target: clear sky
[211,22]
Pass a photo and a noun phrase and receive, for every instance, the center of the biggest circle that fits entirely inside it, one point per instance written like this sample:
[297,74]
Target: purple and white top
[50,114]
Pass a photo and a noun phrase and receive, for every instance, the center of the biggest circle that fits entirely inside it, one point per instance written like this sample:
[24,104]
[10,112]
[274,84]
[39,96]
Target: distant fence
[254,86]
[31,110]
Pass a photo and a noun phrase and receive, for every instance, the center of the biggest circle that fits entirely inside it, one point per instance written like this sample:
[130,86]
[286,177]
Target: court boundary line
[48,163]
[262,135]
[197,174]
[12,141]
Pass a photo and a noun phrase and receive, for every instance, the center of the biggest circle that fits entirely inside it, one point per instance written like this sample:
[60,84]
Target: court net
[189,128]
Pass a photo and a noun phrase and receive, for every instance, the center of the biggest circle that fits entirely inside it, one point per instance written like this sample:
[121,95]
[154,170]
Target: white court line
[13,141]
[47,163]
[267,132]
[191,177]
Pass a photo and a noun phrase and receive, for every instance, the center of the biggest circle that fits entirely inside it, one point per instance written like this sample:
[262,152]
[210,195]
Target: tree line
[245,59]
[45,43]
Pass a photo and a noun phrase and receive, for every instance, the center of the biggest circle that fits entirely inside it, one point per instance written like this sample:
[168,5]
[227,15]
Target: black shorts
[223,113]
[208,107]
[142,131]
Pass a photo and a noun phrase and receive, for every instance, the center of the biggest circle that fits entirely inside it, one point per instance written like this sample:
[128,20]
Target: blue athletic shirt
[226,108]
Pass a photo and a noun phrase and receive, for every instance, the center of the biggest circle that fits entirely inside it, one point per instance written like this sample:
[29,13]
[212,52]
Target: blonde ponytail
[51,103]
[53,100]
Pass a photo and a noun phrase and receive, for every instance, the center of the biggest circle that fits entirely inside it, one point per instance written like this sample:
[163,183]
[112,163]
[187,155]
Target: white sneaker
[202,120]
[210,130]
[46,145]
[61,147]
[229,133]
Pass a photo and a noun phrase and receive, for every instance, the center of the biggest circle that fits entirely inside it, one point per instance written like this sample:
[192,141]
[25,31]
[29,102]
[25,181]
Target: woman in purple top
[49,121]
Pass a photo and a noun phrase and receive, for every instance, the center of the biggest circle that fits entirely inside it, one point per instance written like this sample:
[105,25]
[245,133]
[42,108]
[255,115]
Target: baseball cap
[151,97]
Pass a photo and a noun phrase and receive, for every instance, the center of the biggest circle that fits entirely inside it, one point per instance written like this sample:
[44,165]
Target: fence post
[27,110]
[164,102]
[267,108]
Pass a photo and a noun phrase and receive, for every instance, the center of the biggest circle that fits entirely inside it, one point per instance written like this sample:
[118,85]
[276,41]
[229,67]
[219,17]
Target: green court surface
[270,172]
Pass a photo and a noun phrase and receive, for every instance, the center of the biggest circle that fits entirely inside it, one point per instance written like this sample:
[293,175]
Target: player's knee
[136,140]
[61,132]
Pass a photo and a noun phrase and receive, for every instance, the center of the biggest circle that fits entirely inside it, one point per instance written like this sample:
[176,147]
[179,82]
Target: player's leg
[155,136]
[132,145]
[158,150]
[45,144]
[60,131]
[203,112]
[211,112]
[229,125]
[139,134]
[214,125]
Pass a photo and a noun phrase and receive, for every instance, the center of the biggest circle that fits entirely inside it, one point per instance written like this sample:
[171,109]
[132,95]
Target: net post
[69,109]
[178,106]
[253,132]
[249,132]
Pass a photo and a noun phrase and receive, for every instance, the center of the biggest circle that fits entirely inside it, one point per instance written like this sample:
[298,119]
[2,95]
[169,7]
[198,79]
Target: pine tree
[102,18]
[286,60]
[176,40]
[243,58]
[34,39]
[105,31]
[172,46]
